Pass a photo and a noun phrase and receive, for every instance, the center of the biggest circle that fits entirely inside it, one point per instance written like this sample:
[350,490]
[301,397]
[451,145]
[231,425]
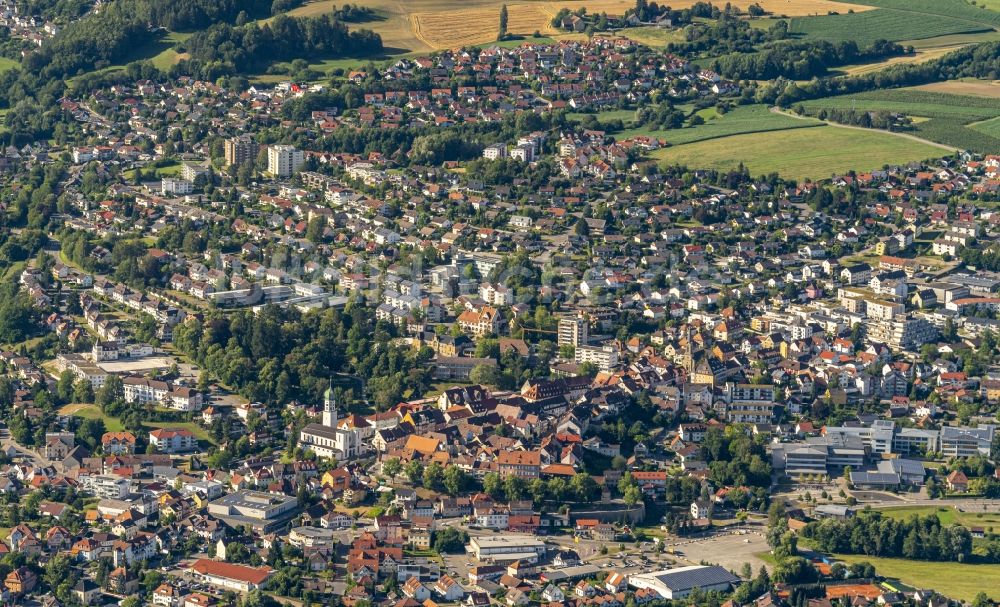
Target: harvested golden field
[466,27]
[920,56]
[975,88]
[424,25]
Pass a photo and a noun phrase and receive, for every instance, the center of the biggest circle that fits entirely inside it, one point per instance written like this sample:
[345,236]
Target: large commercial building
[857,444]
[889,474]
[804,459]
[228,576]
[507,548]
[284,160]
[678,583]
[967,442]
[821,454]
[261,511]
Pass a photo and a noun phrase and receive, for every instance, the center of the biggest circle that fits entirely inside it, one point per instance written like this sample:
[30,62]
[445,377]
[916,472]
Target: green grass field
[111,424]
[955,580]
[741,120]
[989,127]
[169,56]
[653,36]
[899,20]
[815,153]
[8,64]
[170,168]
[950,116]
[626,116]
[13,271]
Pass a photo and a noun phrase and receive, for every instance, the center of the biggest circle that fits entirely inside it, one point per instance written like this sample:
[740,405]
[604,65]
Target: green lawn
[158,50]
[626,116]
[8,64]
[14,270]
[954,580]
[815,153]
[914,102]
[111,424]
[168,56]
[741,120]
[169,168]
[653,36]
[325,66]
[990,127]
[517,41]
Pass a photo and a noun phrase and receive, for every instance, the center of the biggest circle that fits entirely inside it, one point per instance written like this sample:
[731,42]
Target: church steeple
[329,409]
[689,352]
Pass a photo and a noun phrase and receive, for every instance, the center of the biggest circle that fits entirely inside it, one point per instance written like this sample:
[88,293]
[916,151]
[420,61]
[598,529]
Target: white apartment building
[572,331]
[170,186]
[604,358]
[284,160]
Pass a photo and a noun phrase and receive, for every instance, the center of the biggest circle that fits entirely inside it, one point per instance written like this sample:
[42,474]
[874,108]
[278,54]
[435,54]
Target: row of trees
[581,488]
[800,60]
[881,119]
[920,537]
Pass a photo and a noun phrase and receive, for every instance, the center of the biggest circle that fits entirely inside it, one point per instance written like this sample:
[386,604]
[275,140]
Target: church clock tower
[329,409]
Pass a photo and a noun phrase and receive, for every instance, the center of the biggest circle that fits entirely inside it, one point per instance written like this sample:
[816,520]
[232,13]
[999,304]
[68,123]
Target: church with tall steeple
[325,439]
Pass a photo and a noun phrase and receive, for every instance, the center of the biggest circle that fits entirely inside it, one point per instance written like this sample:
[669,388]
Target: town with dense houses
[440,331]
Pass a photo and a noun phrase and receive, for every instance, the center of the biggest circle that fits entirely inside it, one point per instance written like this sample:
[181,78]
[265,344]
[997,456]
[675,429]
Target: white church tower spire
[329,409]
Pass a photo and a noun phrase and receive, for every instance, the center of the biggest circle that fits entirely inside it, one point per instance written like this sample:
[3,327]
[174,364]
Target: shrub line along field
[954,120]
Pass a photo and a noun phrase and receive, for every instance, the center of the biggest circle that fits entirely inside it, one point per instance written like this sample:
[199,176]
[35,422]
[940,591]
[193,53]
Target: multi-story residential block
[284,160]
[240,150]
[173,440]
